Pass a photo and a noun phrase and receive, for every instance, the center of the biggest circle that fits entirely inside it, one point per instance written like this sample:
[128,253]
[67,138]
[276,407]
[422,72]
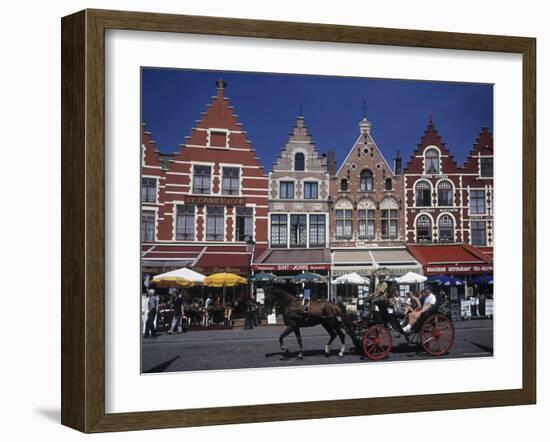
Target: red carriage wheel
[437,335]
[377,342]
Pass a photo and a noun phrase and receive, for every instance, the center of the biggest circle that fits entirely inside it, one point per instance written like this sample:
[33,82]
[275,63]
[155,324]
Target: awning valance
[451,259]
[292,260]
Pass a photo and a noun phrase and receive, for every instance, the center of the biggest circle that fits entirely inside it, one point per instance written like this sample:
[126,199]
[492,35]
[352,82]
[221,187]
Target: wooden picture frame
[83,220]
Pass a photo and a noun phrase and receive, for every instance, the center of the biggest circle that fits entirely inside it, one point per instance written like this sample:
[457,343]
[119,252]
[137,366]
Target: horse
[331,316]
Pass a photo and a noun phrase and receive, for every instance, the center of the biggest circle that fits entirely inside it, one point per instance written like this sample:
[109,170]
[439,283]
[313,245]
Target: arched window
[446,228]
[423,228]
[445,194]
[431,161]
[366,182]
[389,184]
[299,161]
[423,194]
[344,185]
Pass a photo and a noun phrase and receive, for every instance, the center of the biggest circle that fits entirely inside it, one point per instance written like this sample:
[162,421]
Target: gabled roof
[431,137]
[483,146]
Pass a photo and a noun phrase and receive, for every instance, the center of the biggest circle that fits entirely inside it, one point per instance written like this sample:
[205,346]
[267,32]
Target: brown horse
[328,314]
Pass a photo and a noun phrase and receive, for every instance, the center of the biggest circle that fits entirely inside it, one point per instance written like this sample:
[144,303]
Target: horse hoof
[340,355]
[300,357]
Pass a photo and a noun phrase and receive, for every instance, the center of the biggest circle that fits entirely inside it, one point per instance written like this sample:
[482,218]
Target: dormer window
[218,138]
[431,162]
[344,185]
[299,161]
[366,182]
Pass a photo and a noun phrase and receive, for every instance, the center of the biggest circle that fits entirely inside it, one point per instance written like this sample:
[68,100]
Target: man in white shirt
[152,308]
[428,301]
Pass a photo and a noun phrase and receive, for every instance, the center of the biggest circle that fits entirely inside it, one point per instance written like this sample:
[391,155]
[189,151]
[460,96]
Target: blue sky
[267,105]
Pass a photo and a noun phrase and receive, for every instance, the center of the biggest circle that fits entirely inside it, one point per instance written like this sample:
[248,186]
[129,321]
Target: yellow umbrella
[224,280]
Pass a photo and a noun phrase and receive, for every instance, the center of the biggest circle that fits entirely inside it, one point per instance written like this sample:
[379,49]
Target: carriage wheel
[437,335]
[377,342]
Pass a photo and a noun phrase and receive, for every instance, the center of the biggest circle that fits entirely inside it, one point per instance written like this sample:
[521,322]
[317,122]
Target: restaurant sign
[218,269]
[214,200]
[457,269]
[290,267]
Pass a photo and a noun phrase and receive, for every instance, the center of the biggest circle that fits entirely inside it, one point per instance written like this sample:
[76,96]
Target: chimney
[331,162]
[220,86]
[397,163]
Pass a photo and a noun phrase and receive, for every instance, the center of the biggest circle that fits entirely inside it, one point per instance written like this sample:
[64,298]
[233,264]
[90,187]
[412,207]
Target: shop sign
[290,267]
[201,200]
[450,269]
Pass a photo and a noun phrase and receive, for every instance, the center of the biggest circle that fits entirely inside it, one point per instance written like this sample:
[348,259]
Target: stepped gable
[482,147]
[219,129]
[431,137]
[299,140]
[150,153]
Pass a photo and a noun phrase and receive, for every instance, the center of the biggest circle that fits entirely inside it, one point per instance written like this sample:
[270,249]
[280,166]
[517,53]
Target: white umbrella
[351,278]
[183,277]
[411,278]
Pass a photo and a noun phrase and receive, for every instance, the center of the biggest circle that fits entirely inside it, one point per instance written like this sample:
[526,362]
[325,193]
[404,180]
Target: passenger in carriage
[428,300]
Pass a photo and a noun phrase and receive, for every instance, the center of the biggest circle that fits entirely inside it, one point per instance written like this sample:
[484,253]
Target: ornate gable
[365,155]
[299,141]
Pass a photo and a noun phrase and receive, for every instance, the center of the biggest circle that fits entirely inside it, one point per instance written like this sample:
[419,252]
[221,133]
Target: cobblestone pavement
[259,347]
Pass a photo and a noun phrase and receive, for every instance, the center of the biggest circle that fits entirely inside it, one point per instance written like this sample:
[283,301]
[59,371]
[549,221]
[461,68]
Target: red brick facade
[215,192]
[442,199]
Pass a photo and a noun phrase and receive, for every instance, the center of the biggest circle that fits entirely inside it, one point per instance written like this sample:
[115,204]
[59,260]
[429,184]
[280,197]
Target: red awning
[201,258]
[440,259]
[293,259]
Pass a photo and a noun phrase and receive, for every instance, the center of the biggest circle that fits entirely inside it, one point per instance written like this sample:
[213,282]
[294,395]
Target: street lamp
[250,246]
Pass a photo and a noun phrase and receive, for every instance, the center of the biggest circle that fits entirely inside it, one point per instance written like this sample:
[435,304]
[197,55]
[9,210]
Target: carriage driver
[379,293]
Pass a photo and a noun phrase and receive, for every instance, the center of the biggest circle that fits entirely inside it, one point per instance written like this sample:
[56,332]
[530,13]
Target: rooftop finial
[430,121]
[220,84]
[365,109]
[300,113]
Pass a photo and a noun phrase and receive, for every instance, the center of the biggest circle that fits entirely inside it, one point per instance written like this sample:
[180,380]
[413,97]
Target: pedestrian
[152,308]
[177,306]
[206,311]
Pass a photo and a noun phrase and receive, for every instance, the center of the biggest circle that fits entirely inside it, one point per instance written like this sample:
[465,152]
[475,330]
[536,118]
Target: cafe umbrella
[308,278]
[411,278]
[446,280]
[483,279]
[264,277]
[350,279]
[224,280]
[182,277]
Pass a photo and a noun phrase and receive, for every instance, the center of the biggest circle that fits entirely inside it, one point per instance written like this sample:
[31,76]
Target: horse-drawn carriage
[371,332]
[434,330]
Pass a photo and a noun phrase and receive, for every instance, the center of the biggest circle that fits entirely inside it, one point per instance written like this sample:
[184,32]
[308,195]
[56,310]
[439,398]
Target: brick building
[478,191]
[212,198]
[298,207]
[367,213]
[153,177]
[446,203]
